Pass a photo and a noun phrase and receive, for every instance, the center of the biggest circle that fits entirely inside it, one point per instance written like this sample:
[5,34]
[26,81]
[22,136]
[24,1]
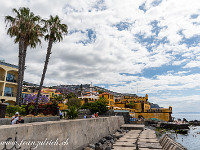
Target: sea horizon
[189,116]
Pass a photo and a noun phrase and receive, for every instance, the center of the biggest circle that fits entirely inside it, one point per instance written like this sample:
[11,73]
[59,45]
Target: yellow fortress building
[138,107]
[8,82]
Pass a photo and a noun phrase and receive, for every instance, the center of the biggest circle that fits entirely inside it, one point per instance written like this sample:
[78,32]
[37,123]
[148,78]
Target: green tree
[98,106]
[70,95]
[58,98]
[72,113]
[74,102]
[26,30]
[55,32]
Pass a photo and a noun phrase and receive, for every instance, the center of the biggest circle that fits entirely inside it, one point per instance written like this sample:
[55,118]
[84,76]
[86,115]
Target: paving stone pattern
[138,140]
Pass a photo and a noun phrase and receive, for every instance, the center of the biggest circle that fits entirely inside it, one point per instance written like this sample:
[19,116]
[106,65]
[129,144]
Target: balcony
[11,80]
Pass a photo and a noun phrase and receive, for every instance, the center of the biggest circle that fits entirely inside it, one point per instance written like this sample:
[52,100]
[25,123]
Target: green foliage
[74,102]
[100,91]
[130,105]
[31,108]
[98,106]
[70,95]
[58,98]
[23,110]
[11,110]
[72,113]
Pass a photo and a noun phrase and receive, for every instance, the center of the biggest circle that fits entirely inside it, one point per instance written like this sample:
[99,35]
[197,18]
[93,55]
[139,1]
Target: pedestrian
[93,116]
[20,120]
[60,114]
[15,118]
[97,115]
[85,116]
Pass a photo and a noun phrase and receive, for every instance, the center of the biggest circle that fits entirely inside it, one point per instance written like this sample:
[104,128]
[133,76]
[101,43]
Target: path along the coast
[138,138]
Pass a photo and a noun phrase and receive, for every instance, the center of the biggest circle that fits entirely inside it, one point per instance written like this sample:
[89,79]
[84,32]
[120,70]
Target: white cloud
[113,52]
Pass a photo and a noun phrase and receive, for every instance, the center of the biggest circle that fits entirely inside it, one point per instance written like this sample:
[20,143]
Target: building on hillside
[50,92]
[8,82]
[109,97]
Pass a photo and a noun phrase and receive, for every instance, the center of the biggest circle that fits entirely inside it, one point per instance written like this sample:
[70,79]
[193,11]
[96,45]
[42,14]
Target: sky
[129,46]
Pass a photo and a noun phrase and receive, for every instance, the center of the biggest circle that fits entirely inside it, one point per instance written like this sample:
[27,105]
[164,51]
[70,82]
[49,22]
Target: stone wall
[6,121]
[64,134]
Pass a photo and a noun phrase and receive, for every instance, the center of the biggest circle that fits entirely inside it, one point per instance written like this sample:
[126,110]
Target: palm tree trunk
[21,47]
[44,72]
[23,69]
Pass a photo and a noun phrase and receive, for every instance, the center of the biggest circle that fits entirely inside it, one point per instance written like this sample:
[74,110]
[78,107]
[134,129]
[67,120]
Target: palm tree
[26,30]
[55,31]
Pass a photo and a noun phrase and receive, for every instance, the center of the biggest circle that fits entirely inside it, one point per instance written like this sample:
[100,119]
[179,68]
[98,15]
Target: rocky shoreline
[106,143]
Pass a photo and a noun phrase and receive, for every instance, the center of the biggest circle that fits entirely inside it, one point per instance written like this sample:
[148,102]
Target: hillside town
[137,106]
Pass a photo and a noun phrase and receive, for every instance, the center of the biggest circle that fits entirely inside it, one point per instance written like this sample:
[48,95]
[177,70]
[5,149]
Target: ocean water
[188,116]
[192,140]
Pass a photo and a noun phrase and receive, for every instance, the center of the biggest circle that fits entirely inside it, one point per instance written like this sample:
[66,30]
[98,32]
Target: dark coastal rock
[99,146]
[119,130]
[108,147]
[112,141]
[87,148]
[109,137]
[194,122]
[102,141]
[92,146]
[174,126]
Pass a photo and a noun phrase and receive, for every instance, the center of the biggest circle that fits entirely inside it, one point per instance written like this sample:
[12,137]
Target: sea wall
[64,134]
[168,143]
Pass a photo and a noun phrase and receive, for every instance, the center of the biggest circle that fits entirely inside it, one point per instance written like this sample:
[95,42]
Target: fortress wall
[161,116]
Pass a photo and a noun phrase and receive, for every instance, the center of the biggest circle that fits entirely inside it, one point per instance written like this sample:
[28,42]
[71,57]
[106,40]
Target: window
[10,78]
[8,91]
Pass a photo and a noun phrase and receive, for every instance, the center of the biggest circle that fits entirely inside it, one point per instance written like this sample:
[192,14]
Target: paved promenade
[138,140]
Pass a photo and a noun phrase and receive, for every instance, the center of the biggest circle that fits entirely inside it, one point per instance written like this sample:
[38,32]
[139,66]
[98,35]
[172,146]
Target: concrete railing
[58,135]
[6,121]
[167,143]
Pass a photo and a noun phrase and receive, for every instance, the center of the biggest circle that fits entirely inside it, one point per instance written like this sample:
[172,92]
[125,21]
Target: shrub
[11,110]
[46,109]
[23,110]
[72,113]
